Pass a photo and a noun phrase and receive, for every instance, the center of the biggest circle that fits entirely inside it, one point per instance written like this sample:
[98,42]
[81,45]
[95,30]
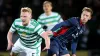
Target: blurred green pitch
[79,53]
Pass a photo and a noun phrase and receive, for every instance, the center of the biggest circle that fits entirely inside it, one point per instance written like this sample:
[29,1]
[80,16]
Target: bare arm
[47,40]
[9,38]
[9,35]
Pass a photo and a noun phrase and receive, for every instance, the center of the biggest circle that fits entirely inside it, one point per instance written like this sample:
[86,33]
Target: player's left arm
[73,47]
[47,40]
[43,34]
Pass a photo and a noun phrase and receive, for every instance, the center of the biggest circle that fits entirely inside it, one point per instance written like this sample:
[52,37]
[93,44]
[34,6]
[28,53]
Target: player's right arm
[9,36]
[67,23]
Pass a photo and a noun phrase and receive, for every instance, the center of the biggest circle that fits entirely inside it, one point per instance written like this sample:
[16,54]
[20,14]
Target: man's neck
[26,23]
[48,13]
[82,23]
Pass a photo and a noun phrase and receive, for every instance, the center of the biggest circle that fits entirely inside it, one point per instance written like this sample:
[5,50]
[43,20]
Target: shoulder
[42,15]
[55,13]
[17,20]
[74,20]
[34,22]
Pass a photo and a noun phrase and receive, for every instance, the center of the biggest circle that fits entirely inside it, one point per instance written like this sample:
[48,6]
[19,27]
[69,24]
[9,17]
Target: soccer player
[68,31]
[49,19]
[31,34]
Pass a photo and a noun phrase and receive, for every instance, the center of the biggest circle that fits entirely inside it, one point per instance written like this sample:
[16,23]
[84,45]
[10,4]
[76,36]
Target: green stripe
[37,42]
[23,27]
[30,40]
[41,23]
[51,22]
[33,34]
[49,17]
[27,33]
[38,29]
[41,32]
[35,23]
[34,44]
[14,28]
[59,19]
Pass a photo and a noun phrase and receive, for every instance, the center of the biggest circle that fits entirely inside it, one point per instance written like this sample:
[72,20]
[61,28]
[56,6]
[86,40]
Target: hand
[73,54]
[46,48]
[10,44]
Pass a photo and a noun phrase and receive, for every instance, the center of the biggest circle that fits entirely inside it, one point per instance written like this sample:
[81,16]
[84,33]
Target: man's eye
[22,16]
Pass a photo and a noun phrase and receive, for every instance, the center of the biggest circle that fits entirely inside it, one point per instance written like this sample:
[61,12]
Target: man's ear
[31,15]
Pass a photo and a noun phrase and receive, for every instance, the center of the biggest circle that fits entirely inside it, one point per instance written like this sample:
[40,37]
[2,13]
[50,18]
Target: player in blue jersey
[68,31]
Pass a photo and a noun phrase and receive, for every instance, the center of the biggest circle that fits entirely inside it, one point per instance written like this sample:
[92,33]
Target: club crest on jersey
[49,22]
[23,34]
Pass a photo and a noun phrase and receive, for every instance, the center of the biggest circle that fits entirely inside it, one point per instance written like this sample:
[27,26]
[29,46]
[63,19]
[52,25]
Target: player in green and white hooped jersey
[30,32]
[49,18]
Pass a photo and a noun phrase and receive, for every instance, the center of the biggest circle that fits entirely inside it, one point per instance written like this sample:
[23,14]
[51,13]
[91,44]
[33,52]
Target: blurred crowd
[10,10]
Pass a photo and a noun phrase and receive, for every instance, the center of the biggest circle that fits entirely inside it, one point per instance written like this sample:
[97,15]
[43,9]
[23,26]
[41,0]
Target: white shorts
[19,48]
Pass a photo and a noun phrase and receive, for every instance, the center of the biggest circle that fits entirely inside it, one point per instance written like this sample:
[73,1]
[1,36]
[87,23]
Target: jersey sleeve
[39,29]
[12,28]
[74,45]
[60,19]
[65,23]
[73,21]
[40,20]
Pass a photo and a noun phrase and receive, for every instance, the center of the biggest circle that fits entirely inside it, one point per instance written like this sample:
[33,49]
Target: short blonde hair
[47,2]
[87,9]
[26,9]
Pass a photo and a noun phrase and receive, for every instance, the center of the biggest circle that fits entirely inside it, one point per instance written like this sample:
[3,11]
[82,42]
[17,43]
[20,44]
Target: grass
[78,53]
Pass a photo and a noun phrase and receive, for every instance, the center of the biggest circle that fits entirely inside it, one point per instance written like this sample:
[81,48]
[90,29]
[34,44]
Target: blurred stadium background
[89,41]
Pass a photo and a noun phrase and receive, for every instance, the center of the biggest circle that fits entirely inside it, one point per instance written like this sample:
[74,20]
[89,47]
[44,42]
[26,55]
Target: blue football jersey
[76,29]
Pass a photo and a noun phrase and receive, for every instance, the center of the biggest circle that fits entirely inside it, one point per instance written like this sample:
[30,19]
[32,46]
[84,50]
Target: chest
[25,30]
[78,31]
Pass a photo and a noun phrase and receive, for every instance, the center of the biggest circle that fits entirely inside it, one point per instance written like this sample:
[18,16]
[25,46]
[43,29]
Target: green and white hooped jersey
[30,34]
[50,21]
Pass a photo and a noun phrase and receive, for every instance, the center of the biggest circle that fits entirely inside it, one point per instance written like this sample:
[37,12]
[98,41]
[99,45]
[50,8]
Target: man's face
[47,7]
[85,16]
[25,17]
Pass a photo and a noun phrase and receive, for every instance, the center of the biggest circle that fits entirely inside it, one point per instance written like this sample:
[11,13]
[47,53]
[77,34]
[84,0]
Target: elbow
[45,35]
[9,34]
